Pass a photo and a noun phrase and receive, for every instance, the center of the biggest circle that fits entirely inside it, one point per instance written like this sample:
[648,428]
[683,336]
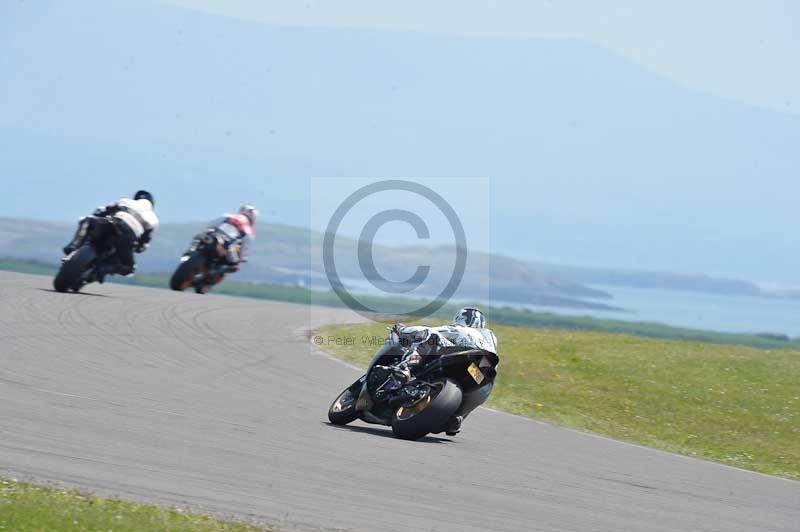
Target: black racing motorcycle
[93,260]
[443,385]
[202,265]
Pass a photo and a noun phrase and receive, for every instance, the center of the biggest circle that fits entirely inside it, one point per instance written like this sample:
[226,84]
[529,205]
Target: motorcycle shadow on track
[385,433]
[73,293]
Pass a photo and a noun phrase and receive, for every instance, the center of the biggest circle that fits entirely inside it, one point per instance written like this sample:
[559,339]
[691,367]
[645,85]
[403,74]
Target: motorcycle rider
[236,232]
[134,219]
[467,329]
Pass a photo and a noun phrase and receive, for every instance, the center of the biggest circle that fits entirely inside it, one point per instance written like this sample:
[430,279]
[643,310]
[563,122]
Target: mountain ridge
[286,254]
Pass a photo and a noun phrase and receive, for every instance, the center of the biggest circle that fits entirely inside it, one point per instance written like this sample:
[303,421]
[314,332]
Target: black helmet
[143,194]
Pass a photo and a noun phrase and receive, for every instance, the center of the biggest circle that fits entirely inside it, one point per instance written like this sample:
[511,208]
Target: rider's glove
[394,332]
[397,327]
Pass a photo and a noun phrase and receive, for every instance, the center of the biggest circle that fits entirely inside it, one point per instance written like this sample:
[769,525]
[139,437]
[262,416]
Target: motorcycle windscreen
[387,350]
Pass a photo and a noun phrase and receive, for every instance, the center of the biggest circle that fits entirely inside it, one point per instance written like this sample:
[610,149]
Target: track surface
[220,403]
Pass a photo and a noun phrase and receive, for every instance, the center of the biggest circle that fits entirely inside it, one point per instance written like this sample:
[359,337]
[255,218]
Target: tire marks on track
[221,402]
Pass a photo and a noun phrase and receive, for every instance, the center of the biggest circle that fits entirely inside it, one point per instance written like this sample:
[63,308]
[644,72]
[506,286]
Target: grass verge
[30,508]
[730,404]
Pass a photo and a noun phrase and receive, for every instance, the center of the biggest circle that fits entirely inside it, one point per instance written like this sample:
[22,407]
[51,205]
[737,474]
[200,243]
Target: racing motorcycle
[443,385]
[203,264]
[93,260]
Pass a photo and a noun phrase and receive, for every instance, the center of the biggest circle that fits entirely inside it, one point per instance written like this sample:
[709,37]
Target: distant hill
[651,280]
[292,255]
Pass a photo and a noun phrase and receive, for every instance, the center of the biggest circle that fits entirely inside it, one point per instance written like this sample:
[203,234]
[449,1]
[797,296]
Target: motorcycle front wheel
[429,414]
[343,409]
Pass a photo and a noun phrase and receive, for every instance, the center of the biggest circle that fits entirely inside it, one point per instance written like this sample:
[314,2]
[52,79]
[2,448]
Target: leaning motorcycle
[93,260]
[203,264]
[444,385]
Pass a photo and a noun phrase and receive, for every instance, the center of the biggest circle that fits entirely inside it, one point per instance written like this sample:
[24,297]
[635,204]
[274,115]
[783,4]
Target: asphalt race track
[220,404]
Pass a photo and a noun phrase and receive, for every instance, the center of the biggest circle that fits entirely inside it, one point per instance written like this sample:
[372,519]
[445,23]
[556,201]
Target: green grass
[504,316]
[27,266]
[30,508]
[735,405]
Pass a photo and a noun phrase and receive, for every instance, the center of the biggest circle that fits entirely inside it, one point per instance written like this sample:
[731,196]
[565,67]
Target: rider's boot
[125,269]
[111,269]
[80,236]
[454,425]
[101,272]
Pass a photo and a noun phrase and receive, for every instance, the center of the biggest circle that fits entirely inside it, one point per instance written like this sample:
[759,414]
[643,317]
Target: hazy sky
[591,158]
[743,50]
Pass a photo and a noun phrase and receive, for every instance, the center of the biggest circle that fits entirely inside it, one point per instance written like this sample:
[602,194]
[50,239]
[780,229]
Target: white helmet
[469,317]
[249,211]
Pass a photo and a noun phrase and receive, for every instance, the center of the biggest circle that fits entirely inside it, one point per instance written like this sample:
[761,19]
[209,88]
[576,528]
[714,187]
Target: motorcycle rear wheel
[430,414]
[68,276]
[186,271]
